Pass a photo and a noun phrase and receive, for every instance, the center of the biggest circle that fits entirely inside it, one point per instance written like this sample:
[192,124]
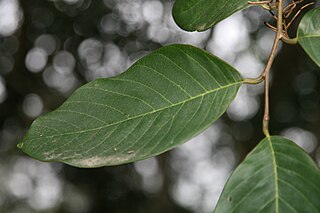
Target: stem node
[291,41]
[253,80]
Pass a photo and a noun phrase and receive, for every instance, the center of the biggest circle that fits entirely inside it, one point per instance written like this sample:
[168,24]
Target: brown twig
[286,38]
[266,72]
[281,34]
[273,28]
[260,2]
[297,13]
[265,75]
[287,11]
[265,4]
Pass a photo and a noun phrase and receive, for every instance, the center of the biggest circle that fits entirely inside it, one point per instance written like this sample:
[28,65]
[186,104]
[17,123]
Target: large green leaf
[200,15]
[277,176]
[163,100]
[309,34]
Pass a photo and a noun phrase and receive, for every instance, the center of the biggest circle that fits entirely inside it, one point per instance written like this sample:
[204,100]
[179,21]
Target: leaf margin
[94,161]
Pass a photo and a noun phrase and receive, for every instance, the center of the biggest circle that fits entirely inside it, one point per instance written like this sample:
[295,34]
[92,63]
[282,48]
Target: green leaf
[309,34]
[277,176]
[200,15]
[163,100]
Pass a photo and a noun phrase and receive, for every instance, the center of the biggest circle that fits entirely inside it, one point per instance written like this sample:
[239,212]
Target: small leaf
[309,34]
[163,100]
[200,15]
[277,176]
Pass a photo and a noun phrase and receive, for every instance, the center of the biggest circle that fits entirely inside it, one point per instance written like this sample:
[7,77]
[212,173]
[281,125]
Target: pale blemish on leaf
[98,161]
[50,156]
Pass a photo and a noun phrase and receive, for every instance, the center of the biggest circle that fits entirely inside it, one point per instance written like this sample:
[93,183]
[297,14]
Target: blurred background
[50,48]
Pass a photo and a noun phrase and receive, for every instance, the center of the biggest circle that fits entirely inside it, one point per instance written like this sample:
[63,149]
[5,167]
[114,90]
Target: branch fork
[284,20]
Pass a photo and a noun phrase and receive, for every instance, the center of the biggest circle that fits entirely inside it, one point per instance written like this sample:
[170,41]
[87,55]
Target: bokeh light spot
[10,17]
[109,24]
[47,42]
[61,81]
[3,90]
[71,1]
[244,106]
[305,139]
[152,11]
[20,185]
[249,65]
[32,105]
[151,177]
[130,11]
[230,37]
[36,59]
[90,51]
[64,62]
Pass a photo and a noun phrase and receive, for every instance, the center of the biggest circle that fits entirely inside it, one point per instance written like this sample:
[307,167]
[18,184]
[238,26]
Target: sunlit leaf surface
[309,34]
[200,15]
[163,100]
[277,176]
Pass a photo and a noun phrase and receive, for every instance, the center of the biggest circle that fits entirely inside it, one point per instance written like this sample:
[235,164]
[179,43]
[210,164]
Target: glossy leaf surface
[200,15]
[277,176]
[163,100]
[309,34]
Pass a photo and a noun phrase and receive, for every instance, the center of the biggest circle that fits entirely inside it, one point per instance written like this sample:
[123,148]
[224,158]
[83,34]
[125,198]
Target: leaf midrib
[309,36]
[144,114]
[275,175]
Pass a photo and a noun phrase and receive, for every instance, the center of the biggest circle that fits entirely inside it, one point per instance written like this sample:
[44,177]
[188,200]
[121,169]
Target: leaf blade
[277,176]
[309,34]
[162,101]
[200,15]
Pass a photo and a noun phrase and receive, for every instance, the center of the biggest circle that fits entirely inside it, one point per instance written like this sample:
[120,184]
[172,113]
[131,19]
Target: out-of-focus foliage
[50,48]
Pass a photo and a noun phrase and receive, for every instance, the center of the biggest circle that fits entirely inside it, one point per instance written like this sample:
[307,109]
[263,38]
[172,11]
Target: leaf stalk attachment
[283,16]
